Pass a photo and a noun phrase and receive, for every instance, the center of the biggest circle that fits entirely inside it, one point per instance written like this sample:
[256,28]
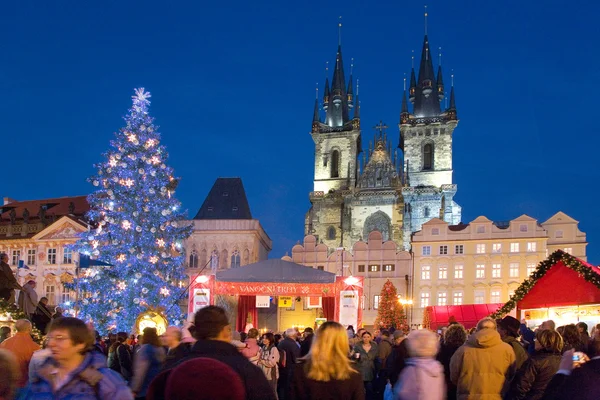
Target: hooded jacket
[421,379]
[483,367]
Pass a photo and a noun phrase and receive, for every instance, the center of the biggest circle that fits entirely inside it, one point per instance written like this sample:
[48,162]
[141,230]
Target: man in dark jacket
[8,282]
[290,351]
[214,334]
[309,334]
[508,328]
[177,350]
[396,361]
[42,316]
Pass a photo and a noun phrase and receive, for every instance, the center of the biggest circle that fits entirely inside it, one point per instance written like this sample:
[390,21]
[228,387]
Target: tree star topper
[141,97]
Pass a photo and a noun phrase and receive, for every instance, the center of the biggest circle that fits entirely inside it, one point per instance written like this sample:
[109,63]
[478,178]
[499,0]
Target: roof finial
[351,65]
[317,91]
[340,31]
[412,57]
[452,79]
[425,19]
[357,87]
[405,81]
[440,55]
[326,68]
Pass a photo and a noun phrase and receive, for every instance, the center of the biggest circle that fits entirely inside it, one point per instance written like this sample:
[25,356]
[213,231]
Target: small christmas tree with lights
[390,312]
[137,228]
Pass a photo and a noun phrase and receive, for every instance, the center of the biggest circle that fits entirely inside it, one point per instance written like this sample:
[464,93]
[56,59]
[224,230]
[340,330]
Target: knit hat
[511,325]
[398,334]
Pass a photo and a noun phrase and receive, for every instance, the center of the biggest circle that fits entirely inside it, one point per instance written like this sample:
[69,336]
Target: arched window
[235,259]
[335,164]
[246,258]
[223,260]
[203,258]
[426,212]
[193,259]
[428,156]
[331,233]
[214,260]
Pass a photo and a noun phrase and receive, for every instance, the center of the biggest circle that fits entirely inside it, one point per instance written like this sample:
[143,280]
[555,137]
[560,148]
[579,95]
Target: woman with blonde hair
[327,372]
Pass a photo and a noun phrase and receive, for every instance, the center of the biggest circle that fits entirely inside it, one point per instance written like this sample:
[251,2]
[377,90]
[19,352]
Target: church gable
[380,171]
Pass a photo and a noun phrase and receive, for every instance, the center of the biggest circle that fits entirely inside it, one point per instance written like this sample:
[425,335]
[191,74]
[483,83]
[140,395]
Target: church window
[223,260]
[203,257]
[235,259]
[193,259]
[246,257]
[331,233]
[428,156]
[426,212]
[335,164]
[378,221]
[214,260]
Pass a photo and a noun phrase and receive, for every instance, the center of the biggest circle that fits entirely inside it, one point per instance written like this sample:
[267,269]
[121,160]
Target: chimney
[8,200]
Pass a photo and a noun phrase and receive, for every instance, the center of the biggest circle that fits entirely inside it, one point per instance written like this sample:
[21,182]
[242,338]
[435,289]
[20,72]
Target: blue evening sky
[233,85]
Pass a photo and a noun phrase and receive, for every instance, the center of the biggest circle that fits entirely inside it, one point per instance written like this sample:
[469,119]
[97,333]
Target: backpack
[282,358]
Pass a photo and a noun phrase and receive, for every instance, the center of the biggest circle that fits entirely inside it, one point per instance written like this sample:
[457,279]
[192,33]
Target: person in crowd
[252,350]
[385,349]
[309,335]
[454,337]
[23,347]
[177,350]
[5,333]
[582,328]
[119,357]
[423,376]
[574,379]
[357,338]
[326,372]
[213,334]
[531,380]
[527,337]
[243,336]
[350,332]
[147,363]
[573,340]
[366,353]
[58,312]
[397,359]
[73,370]
[28,298]
[8,282]
[10,375]
[289,352]
[508,328]
[138,344]
[42,315]
[269,359]
[278,338]
[484,366]
[99,345]
[39,358]
[130,341]
[236,341]
[549,324]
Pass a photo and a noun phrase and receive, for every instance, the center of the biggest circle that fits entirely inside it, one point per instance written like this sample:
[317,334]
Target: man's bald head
[23,325]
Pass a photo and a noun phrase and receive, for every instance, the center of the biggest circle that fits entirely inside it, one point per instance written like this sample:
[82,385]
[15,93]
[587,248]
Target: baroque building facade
[484,261]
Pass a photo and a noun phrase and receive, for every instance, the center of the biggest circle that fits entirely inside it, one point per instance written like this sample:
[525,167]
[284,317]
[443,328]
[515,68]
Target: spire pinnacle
[340,31]
[425,19]
[405,81]
[440,57]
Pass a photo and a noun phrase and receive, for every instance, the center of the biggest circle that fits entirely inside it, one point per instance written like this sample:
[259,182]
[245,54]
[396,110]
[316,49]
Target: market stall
[468,315]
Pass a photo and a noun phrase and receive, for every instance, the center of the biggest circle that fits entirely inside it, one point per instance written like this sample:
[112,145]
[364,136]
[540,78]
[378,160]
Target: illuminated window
[495,296]
[67,296]
[514,247]
[442,272]
[51,256]
[530,268]
[457,298]
[480,271]
[67,255]
[426,250]
[442,299]
[568,250]
[373,268]
[531,246]
[389,267]
[458,271]
[479,297]
[16,256]
[443,250]
[497,248]
[31,256]
[376,302]
[50,294]
[424,299]
[459,249]
[426,272]
[496,270]
[480,248]
[513,270]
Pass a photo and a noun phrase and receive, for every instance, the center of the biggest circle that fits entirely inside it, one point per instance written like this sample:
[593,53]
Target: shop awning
[275,271]
[467,314]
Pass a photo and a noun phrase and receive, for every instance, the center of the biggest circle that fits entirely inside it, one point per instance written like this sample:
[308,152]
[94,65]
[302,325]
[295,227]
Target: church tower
[426,143]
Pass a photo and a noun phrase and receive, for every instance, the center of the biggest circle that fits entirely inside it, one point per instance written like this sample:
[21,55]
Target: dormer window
[225,194]
[234,209]
[210,208]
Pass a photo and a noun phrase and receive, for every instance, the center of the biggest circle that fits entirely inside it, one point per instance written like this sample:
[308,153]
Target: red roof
[57,207]
[467,314]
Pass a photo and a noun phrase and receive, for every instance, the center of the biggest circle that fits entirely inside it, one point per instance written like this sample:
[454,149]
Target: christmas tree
[390,312]
[137,228]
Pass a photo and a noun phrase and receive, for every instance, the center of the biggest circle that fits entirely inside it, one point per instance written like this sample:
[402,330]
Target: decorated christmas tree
[390,312]
[137,229]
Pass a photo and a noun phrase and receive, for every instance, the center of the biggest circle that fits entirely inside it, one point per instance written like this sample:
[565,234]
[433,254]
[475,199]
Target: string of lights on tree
[137,228]
[11,312]
[584,271]
[390,312]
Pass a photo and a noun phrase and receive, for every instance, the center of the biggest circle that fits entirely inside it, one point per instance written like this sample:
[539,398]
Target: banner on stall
[313,302]
[285,301]
[349,307]
[263,301]
[201,299]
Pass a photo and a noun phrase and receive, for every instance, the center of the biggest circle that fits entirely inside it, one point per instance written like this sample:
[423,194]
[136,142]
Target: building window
[193,259]
[514,247]
[481,229]
[428,156]
[480,271]
[389,267]
[480,248]
[361,268]
[496,270]
[424,299]
[458,271]
[459,249]
[373,268]
[435,231]
[51,256]
[331,233]
[568,250]
[558,234]
[235,259]
[321,268]
[495,296]
[532,247]
[442,272]
[513,270]
[16,256]
[376,302]
[479,297]
[458,298]
[335,164]
[530,268]
[50,294]
[426,213]
[442,299]
[67,296]
[425,272]
[31,256]
[497,248]
[214,260]
[426,250]
[523,228]
[443,250]
[67,255]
